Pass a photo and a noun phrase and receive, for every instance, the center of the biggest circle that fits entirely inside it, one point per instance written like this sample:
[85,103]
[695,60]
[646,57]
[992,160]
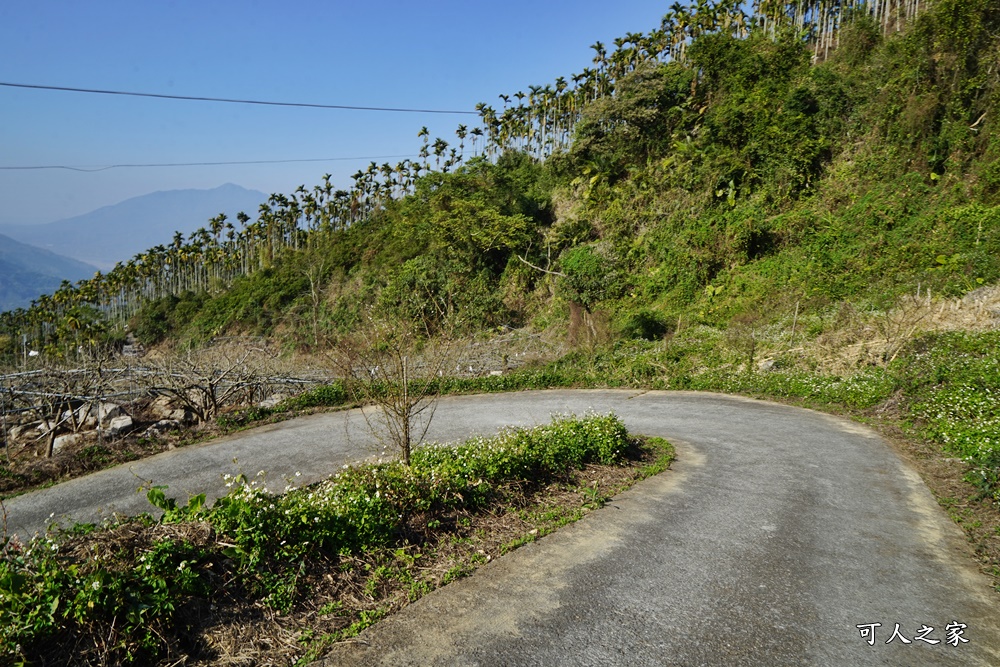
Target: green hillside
[749,177]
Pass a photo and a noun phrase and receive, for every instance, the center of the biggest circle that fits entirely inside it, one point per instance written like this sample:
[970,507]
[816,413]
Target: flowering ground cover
[266,576]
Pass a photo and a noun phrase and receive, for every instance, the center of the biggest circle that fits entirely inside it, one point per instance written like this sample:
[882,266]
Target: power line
[229,100]
[198,164]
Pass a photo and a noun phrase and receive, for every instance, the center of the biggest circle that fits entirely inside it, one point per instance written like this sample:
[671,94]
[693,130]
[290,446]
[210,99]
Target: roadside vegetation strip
[942,386]
[308,565]
[945,386]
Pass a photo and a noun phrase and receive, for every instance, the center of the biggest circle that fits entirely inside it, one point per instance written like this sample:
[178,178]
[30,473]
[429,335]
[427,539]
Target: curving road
[776,534]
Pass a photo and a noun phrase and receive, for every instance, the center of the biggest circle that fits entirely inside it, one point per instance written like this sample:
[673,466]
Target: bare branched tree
[896,326]
[68,399]
[315,271]
[394,373]
[205,381]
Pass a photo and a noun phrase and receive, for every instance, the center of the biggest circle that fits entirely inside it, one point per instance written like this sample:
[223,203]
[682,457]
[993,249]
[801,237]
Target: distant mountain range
[27,272]
[117,233]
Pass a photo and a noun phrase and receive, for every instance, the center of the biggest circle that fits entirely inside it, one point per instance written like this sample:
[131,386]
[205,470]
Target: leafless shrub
[897,326]
[743,337]
[395,372]
[587,329]
[61,399]
[205,381]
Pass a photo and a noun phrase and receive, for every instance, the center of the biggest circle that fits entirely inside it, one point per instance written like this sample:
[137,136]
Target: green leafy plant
[263,543]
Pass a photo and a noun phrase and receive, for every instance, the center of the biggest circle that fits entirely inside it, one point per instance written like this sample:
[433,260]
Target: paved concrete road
[777,533]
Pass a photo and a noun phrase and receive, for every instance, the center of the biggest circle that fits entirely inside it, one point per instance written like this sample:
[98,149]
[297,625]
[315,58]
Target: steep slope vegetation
[724,165]
[750,179]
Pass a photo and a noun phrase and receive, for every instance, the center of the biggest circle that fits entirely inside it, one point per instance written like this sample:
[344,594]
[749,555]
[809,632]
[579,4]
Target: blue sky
[440,54]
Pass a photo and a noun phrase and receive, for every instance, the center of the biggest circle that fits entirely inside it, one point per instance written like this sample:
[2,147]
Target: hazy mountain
[26,272]
[117,233]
